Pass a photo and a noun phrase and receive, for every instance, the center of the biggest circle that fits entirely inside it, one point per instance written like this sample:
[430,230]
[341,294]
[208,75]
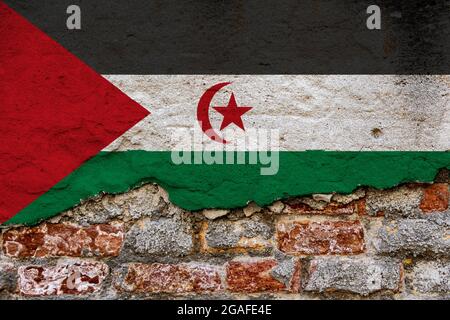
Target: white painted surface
[326,112]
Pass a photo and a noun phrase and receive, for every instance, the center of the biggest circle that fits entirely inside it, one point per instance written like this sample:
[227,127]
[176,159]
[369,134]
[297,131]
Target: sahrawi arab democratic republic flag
[211,141]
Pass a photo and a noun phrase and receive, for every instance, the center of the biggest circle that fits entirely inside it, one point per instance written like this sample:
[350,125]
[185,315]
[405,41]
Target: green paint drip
[195,187]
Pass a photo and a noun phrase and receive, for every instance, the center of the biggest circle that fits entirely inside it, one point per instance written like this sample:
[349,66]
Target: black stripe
[250,36]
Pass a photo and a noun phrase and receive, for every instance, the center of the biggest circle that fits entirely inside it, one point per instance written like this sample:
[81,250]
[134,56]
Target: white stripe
[311,112]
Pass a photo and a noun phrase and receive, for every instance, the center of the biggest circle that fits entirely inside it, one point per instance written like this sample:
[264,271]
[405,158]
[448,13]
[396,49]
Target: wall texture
[371,244]
[392,243]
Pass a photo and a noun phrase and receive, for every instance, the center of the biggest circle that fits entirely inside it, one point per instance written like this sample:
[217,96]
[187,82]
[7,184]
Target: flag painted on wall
[56,113]
[212,140]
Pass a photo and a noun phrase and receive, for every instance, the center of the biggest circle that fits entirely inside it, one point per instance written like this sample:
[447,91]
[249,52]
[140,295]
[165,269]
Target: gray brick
[7,276]
[432,277]
[429,235]
[400,202]
[161,237]
[227,234]
[361,275]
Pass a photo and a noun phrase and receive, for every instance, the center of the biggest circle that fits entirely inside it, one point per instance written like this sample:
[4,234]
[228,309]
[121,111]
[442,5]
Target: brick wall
[370,244]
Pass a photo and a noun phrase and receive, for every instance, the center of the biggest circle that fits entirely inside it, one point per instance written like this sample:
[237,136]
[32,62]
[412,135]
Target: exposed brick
[74,278]
[253,276]
[361,207]
[328,237]
[435,198]
[63,240]
[161,237]
[288,271]
[7,276]
[432,277]
[362,210]
[144,201]
[405,238]
[399,202]
[331,209]
[169,278]
[235,236]
[414,236]
[361,275]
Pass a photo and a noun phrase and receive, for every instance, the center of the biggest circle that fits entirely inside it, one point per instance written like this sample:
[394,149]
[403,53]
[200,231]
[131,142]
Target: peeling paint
[196,187]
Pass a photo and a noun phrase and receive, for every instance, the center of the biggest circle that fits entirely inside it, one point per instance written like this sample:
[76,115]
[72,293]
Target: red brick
[75,278]
[315,238]
[63,240]
[362,210]
[361,207]
[295,283]
[168,278]
[331,209]
[253,276]
[435,198]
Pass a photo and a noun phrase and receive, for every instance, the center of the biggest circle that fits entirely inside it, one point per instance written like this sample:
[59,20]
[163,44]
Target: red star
[232,113]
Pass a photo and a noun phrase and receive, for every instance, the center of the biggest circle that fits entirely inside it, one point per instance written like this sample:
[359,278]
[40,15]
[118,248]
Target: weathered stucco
[312,112]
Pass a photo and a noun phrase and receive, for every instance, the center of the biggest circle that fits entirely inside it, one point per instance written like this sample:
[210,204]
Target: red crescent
[203,112]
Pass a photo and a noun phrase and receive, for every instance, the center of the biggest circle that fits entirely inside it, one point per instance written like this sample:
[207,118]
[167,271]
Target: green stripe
[195,187]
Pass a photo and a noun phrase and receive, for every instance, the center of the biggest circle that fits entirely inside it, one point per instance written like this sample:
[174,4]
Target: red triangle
[55,113]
